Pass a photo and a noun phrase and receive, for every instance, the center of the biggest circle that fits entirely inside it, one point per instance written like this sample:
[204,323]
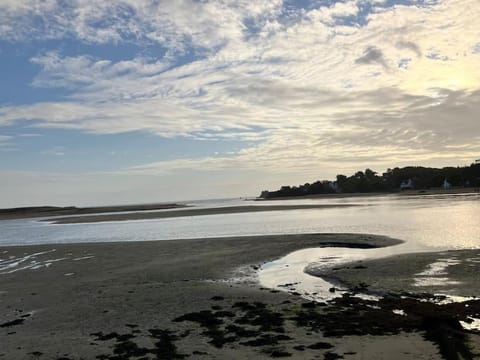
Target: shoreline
[44,211]
[175,299]
[188,212]
[426,192]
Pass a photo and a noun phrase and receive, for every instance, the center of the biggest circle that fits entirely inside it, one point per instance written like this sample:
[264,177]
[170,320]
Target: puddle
[471,324]
[434,274]
[435,281]
[449,299]
[289,273]
[439,267]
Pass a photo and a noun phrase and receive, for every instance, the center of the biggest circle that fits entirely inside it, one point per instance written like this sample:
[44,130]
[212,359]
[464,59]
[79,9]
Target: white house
[406,185]
[446,185]
[334,186]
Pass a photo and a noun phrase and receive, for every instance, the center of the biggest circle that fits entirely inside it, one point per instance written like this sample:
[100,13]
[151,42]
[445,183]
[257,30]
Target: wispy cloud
[308,86]
[29,135]
[6,143]
[54,151]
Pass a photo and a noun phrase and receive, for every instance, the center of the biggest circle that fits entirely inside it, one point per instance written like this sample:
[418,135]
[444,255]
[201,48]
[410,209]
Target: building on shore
[446,185]
[407,185]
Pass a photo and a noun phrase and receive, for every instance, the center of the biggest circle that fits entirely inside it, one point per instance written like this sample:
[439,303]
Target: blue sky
[132,101]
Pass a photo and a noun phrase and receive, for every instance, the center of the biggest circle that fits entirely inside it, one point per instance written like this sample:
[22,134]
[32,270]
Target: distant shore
[469,190]
[72,211]
[43,211]
[187,212]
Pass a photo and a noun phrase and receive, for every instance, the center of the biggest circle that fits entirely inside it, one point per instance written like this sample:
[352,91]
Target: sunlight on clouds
[462,74]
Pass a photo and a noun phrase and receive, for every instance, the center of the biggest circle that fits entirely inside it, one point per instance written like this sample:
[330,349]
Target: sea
[424,222]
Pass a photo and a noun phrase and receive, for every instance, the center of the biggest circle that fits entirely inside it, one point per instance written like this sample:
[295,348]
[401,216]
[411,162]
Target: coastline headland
[411,178]
[405,193]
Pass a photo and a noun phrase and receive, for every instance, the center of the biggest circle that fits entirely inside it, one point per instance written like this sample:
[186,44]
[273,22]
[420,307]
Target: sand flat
[45,211]
[175,299]
[143,284]
[453,272]
[188,212]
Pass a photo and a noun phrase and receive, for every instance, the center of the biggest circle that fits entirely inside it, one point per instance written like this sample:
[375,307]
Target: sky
[132,101]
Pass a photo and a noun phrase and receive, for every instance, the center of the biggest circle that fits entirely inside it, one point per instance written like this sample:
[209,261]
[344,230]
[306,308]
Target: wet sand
[446,272]
[176,300]
[187,212]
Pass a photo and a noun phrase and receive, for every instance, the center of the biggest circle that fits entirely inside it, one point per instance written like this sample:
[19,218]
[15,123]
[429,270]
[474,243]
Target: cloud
[414,134]
[6,143]
[29,135]
[372,55]
[4,138]
[294,83]
[177,26]
[410,46]
[54,151]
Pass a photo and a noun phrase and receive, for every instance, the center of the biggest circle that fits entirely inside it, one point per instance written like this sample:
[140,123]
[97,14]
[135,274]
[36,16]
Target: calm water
[425,222]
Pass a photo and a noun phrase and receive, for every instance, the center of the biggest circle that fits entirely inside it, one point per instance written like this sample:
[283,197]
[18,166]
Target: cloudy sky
[126,101]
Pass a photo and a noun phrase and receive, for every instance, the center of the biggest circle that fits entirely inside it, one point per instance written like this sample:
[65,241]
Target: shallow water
[425,222]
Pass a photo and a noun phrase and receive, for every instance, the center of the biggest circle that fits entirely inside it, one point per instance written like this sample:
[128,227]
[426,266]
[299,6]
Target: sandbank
[43,211]
[187,212]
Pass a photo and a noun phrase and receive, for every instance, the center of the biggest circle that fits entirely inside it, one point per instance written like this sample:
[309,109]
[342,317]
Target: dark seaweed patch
[332,356]
[320,345]
[12,323]
[165,346]
[126,348]
[36,353]
[279,354]
[205,318]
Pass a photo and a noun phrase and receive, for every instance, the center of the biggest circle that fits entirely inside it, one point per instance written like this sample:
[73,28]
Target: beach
[193,298]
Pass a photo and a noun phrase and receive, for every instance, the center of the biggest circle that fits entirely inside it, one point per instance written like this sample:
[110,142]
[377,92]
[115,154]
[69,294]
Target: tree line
[419,178]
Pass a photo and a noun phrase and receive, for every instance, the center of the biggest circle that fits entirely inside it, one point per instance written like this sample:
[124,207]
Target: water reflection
[288,273]
[440,222]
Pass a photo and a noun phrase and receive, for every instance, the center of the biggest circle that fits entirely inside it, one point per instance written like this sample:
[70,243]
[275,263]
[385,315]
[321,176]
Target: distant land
[41,211]
[393,180]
